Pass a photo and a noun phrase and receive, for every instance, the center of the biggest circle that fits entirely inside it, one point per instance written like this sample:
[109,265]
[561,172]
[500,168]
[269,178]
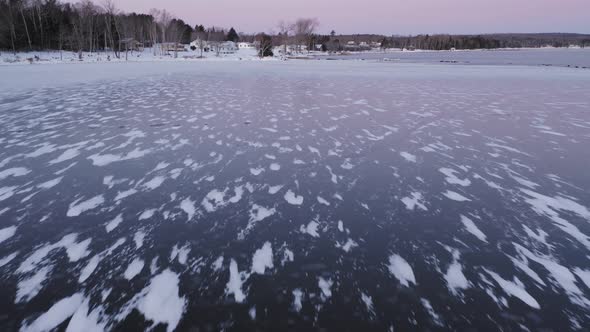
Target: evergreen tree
[232,35]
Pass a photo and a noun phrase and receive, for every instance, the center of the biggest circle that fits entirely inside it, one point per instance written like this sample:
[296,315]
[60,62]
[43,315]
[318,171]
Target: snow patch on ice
[292,198]
[401,270]
[262,259]
[472,228]
[326,287]
[236,279]
[455,196]
[58,313]
[408,156]
[7,232]
[76,208]
[414,200]
[134,268]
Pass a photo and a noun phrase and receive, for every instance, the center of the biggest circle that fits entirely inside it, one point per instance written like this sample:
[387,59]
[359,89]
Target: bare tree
[21,6]
[8,15]
[163,19]
[154,13]
[200,38]
[304,28]
[284,33]
[112,26]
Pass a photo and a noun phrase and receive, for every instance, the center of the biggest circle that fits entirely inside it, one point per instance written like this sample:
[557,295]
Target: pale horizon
[381,16]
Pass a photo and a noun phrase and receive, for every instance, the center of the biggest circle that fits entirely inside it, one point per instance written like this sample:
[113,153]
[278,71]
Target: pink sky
[382,16]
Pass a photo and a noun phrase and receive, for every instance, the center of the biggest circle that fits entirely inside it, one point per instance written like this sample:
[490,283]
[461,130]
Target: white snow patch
[50,184]
[347,246]
[471,228]
[134,268]
[274,189]
[76,208]
[368,301]
[86,320]
[262,259]
[28,288]
[256,171]
[160,301]
[414,200]
[114,223]
[451,178]
[311,228]
[326,287]
[408,156]
[154,183]
[515,288]
[455,196]
[401,270]
[217,264]
[321,200]
[297,299]
[454,277]
[16,171]
[58,313]
[292,198]
[7,232]
[125,194]
[138,239]
[147,214]
[188,207]
[236,279]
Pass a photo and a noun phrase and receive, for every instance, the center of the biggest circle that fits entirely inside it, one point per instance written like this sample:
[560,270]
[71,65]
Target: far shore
[147,55]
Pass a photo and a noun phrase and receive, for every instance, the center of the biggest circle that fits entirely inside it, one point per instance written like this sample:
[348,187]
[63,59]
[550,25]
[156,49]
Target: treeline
[447,42]
[84,26]
[491,41]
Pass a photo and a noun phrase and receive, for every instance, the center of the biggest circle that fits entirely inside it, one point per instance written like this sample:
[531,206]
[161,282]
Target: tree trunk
[26,29]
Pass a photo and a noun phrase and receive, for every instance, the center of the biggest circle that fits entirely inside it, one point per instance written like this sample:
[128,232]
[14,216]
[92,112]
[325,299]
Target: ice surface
[379,152]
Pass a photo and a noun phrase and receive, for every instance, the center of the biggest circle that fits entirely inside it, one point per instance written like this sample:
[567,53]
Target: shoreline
[47,57]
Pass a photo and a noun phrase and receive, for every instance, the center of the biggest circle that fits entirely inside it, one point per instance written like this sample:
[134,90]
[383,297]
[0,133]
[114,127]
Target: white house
[228,47]
[245,45]
[198,43]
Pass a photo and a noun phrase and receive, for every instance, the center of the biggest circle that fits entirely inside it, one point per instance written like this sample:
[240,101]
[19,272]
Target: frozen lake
[561,57]
[299,195]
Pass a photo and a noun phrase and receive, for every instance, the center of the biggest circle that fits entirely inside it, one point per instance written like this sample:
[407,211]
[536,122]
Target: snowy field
[296,195]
